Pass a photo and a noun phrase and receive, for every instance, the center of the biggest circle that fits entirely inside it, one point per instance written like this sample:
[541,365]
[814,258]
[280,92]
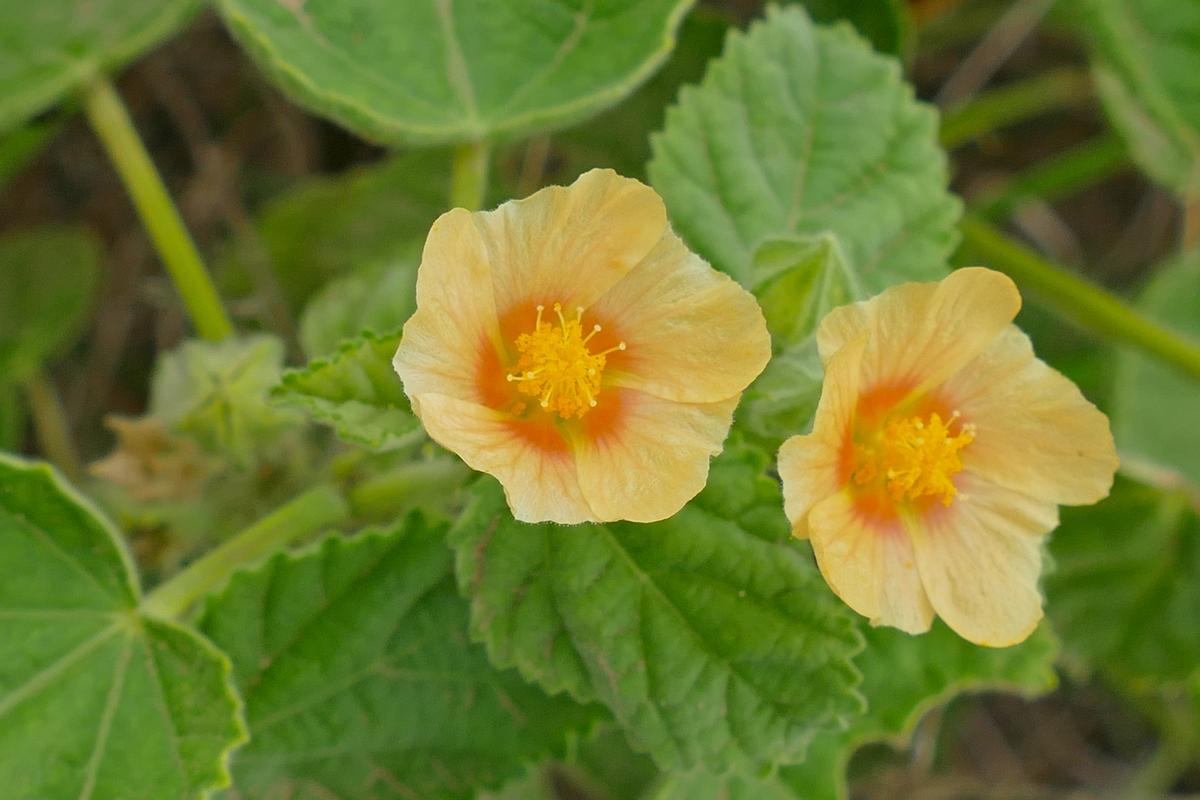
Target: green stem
[110,120]
[311,511]
[1087,305]
[384,495]
[1056,177]
[1009,105]
[468,180]
[51,425]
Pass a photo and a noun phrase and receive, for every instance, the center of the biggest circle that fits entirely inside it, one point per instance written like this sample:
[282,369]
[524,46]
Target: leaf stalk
[110,120]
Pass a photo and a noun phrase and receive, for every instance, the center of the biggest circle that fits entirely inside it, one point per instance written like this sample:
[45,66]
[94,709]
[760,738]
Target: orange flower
[572,346]
[940,452]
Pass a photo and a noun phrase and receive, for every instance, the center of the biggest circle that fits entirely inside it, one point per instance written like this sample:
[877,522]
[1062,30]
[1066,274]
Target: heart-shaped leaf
[798,129]
[97,700]
[455,70]
[360,681]
[49,49]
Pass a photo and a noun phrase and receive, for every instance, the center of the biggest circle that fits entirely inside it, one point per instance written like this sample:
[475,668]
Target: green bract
[217,392]
[798,129]
[360,682]
[356,391]
[92,692]
[48,50]
[456,70]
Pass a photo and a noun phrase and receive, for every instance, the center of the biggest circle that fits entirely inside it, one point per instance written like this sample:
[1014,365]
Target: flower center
[914,457]
[556,366]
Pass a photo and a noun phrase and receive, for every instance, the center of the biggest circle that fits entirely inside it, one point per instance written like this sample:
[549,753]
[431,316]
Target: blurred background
[280,201]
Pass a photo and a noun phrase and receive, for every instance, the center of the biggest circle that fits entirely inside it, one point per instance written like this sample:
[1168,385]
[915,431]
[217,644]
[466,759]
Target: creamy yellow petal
[692,333]
[456,313]
[571,244]
[540,486]
[870,565]
[808,465]
[980,560]
[654,459]
[919,334]
[1034,431]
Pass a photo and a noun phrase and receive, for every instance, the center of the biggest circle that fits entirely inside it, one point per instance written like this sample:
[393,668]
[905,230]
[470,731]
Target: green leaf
[620,137]
[1144,60]
[798,280]
[374,300]
[903,677]
[356,391]
[50,275]
[96,700]
[1151,399]
[446,71]
[709,642]
[360,681]
[218,393]
[329,226]
[798,129]
[48,50]
[1126,586]
[885,23]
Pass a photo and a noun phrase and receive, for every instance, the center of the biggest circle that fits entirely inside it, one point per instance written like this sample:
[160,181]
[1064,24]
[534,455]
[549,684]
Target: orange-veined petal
[980,560]
[1034,431]
[919,334]
[653,459]
[693,334]
[811,466]
[869,564]
[540,482]
[456,313]
[570,244]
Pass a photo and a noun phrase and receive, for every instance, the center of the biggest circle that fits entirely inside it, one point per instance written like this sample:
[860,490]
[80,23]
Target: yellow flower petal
[980,559]
[693,334]
[456,313]
[583,410]
[540,485]
[871,566]
[655,459]
[571,244]
[919,334]
[809,465]
[1034,431]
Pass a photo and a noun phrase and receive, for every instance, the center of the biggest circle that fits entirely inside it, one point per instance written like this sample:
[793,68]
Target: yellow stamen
[914,457]
[556,366]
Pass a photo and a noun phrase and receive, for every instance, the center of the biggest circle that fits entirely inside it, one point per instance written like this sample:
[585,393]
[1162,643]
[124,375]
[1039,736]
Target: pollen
[556,366]
[914,457]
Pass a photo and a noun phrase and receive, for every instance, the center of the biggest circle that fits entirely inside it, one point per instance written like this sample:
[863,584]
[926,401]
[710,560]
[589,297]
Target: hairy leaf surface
[360,682]
[48,50]
[710,637]
[97,701]
[1126,586]
[356,391]
[455,70]
[798,129]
